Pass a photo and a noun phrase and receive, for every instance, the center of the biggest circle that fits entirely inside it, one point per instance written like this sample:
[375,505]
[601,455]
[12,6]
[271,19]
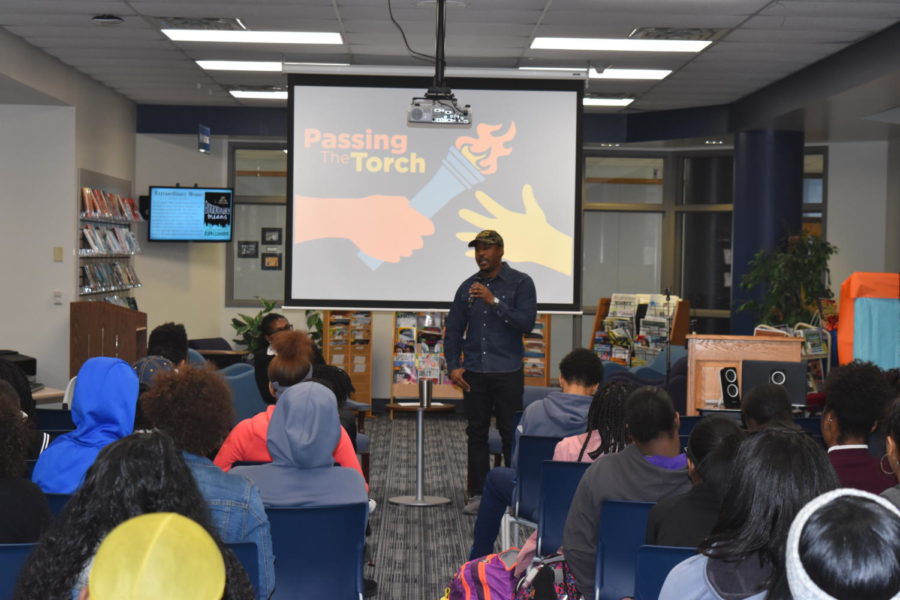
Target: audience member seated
[649,469]
[845,545]
[892,456]
[12,374]
[290,366]
[338,381]
[193,405]
[767,404]
[686,519]
[142,473]
[147,368]
[157,555]
[103,411]
[856,395]
[777,471]
[560,414]
[302,436]
[605,434]
[24,513]
[271,324]
[170,341]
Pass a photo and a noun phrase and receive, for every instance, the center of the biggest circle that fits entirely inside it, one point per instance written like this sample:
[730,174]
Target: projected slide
[382,211]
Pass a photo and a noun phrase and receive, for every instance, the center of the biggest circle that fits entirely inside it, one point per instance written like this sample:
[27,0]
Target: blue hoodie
[302,436]
[103,409]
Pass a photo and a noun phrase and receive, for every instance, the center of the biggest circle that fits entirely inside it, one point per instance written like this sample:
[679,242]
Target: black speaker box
[791,375]
[731,393]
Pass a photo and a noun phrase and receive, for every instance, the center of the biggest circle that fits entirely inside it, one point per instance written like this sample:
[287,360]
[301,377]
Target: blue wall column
[768,205]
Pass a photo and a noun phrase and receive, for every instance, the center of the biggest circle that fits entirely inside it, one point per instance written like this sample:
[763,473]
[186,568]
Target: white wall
[37,171]
[857,208]
[892,215]
[74,123]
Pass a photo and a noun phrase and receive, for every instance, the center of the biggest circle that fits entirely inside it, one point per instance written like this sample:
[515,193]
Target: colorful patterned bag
[548,578]
[490,577]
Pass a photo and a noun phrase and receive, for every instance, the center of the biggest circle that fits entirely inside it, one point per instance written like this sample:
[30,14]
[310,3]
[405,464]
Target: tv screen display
[180,214]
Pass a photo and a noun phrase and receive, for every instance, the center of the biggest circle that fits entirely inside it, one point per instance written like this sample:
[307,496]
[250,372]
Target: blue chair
[611,368]
[12,557]
[53,418]
[812,425]
[533,451]
[245,395]
[621,531]
[495,442]
[247,553]
[195,358]
[536,392]
[653,566]
[57,502]
[319,551]
[559,480]
[362,438]
[688,423]
[658,365]
[236,369]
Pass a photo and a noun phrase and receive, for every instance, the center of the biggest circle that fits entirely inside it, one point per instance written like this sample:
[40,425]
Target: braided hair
[606,416]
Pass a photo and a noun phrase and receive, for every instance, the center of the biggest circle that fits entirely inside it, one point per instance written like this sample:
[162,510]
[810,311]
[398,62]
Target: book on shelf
[621,354]
[404,370]
[623,305]
[654,331]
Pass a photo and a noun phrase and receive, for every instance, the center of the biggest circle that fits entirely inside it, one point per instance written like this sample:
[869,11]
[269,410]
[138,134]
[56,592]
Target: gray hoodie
[302,436]
[557,415]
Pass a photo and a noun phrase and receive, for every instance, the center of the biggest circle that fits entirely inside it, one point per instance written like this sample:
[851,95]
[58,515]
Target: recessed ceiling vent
[699,34]
[213,23]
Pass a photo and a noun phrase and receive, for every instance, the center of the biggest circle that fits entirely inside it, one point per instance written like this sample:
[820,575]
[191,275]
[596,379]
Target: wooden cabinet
[347,343]
[104,329]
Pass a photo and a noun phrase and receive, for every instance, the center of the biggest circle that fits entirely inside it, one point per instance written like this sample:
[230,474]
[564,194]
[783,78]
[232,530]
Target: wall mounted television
[182,214]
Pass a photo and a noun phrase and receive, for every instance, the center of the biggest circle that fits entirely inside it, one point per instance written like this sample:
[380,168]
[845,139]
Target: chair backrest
[247,553]
[12,557]
[236,369]
[318,551]
[653,565]
[57,502]
[69,394]
[812,425]
[688,423]
[246,398]
[195,358]
[620,533]
[533,451]
[559,480]
[53,419]
[215,343]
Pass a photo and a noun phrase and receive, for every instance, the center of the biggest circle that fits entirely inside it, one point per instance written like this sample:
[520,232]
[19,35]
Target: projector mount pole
[438,86]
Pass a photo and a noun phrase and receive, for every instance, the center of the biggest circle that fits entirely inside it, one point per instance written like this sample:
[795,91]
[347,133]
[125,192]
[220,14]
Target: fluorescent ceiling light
[607,101]
[260,94]
[563,69]
[629,73]
[618,45]
[240,65]
[318,64]
[253,37]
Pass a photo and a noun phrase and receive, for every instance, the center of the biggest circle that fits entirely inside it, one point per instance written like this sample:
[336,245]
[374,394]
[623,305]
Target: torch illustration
[466,164]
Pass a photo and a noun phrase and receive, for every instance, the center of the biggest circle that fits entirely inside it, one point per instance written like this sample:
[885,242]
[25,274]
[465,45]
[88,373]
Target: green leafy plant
[246,327]
[314,326]
[793,277]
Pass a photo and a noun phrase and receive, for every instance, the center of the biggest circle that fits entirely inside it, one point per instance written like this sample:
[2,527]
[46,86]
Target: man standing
[489,314]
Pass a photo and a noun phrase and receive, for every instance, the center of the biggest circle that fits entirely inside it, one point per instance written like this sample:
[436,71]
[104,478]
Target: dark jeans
[497,394]
[495,497]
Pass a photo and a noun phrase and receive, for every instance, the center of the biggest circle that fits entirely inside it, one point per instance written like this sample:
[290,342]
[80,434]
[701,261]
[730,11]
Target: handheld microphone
[478,279]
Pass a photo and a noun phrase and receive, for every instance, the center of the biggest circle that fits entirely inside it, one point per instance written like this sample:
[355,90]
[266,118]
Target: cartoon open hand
[528,237]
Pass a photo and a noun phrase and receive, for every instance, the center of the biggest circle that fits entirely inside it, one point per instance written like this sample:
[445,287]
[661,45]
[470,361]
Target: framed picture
[271,235]
[271,261]
[248,249]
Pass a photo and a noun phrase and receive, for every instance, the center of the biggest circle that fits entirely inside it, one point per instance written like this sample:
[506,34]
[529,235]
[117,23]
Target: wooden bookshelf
[104,329]
[347,343]
[537,369]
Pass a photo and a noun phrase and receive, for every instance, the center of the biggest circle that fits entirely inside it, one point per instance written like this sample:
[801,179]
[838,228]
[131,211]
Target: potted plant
[246,327]
[314,326]
[793,278]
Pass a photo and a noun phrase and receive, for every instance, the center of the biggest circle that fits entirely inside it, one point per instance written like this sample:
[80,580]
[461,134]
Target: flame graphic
[486,149]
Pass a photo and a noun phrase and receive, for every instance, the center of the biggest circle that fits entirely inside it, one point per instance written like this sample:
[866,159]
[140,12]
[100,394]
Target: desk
[413,406]
[48,395]
[223,358]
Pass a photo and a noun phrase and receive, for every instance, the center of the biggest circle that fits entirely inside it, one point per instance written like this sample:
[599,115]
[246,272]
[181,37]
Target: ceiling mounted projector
[438,106]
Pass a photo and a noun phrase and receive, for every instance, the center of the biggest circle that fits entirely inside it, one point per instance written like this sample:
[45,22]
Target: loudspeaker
[731,393]
[791,375]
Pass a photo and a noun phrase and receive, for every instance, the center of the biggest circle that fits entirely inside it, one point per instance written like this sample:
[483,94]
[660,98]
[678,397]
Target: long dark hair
[141,473]
[15,433]
[606,416]
[776,472]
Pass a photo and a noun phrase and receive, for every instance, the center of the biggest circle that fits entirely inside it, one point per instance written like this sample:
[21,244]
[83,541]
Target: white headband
[802,587]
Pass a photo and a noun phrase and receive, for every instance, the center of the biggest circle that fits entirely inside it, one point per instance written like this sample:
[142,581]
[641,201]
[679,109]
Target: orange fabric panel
[861,285]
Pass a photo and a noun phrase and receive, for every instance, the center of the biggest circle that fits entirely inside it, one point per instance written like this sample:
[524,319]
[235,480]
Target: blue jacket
[490,337]
[237,513]
[303,433]
[103,409]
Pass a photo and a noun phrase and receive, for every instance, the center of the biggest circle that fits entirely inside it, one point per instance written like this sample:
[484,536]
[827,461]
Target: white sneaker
[471,508]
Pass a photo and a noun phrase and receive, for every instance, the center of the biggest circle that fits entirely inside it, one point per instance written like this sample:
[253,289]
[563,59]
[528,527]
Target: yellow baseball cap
[155,556]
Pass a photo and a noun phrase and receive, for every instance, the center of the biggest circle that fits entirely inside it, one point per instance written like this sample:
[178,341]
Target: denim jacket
[493,333]
[237,513]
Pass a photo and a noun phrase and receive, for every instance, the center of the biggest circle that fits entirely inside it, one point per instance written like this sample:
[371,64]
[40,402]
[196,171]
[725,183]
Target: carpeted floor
[416,550]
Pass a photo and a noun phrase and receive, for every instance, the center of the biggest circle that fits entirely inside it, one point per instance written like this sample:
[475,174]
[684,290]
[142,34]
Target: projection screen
[381,211]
